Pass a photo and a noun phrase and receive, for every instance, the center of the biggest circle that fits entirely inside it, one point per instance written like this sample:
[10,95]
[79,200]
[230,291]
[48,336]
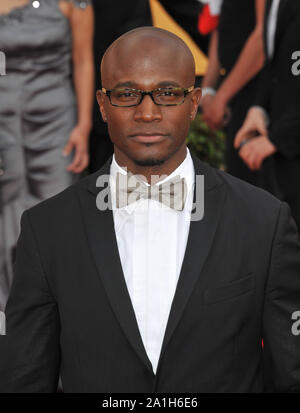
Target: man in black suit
[145,297]
[276,149]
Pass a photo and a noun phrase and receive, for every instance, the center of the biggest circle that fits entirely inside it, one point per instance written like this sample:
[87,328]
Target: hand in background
[256,150]
[78,141]
[215,112]
[254,124]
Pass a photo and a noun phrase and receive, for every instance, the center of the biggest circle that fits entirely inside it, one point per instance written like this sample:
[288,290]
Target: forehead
[147,65]
[148,76]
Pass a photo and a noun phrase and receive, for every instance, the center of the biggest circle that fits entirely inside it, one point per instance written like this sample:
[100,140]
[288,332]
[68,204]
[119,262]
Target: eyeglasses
[126,97]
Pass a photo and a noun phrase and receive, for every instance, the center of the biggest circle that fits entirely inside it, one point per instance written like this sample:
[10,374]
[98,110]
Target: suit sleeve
[284,133]
[284,128]
[29,352]
[282,300]
[263,92]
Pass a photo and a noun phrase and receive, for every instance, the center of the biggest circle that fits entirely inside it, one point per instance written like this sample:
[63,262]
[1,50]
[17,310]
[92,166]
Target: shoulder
[249,200]
[235,188]
[64,205]
[241,188]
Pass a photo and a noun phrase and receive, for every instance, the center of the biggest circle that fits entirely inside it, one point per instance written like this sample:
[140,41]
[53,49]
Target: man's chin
[149,161]
[150,156]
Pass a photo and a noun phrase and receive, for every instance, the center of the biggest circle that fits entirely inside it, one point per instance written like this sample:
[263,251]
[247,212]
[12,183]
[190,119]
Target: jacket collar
[200,168]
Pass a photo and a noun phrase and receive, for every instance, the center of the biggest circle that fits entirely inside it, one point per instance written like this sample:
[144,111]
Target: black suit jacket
[278,93]
[69,310]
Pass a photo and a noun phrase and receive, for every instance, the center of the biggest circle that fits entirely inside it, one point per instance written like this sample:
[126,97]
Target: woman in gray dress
[46,96]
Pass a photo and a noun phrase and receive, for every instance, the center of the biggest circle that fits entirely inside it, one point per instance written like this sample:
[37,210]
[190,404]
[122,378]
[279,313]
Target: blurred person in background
[269,140]
[236,55]
[43,128]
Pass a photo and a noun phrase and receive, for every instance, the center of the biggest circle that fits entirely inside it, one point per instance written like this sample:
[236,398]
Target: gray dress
[37,113]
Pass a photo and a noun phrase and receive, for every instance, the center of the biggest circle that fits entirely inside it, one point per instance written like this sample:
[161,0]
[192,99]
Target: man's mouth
[148,137]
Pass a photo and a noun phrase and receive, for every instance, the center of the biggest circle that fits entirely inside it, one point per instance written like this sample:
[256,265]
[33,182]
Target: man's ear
[100,100]
[196,97]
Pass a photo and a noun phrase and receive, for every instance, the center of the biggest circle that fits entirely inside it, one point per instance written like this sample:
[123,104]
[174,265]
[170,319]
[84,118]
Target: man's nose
[148,111]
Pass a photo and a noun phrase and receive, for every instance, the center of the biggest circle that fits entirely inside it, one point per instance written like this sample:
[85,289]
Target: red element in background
[206,22]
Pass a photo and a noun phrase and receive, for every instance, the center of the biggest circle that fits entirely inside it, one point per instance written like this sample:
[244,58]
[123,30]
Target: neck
[166,168]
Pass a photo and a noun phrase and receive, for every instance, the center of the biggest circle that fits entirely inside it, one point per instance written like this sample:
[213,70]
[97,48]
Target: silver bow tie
[131,188]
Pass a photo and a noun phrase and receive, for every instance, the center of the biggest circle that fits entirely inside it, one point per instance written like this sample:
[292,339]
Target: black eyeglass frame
[185,91]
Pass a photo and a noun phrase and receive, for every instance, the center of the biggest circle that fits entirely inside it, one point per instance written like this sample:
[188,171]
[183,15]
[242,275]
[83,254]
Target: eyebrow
[133,85]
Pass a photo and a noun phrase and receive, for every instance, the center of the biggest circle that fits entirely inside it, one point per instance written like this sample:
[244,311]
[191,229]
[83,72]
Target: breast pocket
[229,291]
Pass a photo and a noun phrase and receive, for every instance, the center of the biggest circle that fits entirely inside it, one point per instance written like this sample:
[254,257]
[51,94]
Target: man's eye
[126,95]
[167,93]
[170,93]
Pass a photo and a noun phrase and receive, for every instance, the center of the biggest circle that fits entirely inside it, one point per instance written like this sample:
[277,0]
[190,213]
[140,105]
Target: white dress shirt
[272,25]
[151,240]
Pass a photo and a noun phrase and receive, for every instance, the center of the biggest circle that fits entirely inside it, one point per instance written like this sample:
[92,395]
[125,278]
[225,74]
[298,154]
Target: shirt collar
[185,170]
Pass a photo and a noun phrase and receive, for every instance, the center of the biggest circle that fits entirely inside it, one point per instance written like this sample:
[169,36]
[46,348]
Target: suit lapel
[281,21]
[102,240]
[265,32]
[280,24]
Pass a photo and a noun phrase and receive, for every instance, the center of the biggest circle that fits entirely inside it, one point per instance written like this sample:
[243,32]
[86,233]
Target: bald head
[148,134]
[148,47]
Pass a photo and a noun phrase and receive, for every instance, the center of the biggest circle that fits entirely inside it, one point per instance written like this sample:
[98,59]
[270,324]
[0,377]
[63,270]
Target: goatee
[149,162]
